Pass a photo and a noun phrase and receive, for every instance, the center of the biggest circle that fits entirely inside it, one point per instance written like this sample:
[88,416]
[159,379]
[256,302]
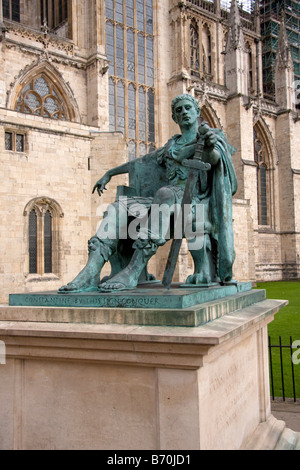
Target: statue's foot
[199,278]
[73,287]
[86,281]
[118,283]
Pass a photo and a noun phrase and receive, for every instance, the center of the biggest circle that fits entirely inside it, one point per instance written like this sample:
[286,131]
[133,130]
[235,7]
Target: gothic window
[11,10]
[42,98]
[130,50]
[194,44]
[43,216]
[32,235]
[48,242]
[263,183]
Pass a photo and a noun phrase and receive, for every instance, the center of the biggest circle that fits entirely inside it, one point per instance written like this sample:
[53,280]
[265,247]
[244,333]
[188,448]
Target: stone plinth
[71,385]
[144,306]
[151,296]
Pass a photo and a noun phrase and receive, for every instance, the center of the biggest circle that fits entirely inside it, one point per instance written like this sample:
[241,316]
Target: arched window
[32,234]
[42,98]
[263,183]
[43,215]
[48,242]
[194,49]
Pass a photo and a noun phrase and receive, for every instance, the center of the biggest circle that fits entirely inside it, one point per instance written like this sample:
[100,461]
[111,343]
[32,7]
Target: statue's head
[182,98]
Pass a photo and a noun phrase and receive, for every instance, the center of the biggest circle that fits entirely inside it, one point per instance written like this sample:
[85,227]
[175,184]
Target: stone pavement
[287,411]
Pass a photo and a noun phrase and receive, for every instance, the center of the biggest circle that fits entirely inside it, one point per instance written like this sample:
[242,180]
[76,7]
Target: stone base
[154,314]
[71,385]
[154,296]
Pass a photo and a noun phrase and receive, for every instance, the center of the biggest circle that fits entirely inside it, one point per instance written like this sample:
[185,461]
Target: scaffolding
[245,5]
[271,12]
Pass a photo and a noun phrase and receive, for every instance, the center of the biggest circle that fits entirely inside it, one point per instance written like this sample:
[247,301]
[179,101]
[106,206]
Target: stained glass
[129,27]
[262,176]
[119,11]
[150,62]
[141,58]
[41,87]
[130,12]
[142,114]
[32,102]
[140,14]
[149,17]
[51,106]
[131,112]
[120,51]
[151,128]
[109,9]
[130,55]
[32,242]
[47,242]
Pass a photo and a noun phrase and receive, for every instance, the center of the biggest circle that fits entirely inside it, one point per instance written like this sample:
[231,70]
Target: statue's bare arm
[100,186]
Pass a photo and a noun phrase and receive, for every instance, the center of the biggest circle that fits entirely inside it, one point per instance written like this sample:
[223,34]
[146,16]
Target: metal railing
[285,369]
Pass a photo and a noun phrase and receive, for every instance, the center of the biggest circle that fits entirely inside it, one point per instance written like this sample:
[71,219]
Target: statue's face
[185,113]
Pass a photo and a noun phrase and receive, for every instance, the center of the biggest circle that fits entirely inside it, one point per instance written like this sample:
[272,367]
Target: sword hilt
[196,163]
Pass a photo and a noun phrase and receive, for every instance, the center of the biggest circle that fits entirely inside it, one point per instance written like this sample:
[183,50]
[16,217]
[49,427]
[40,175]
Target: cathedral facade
[87,85]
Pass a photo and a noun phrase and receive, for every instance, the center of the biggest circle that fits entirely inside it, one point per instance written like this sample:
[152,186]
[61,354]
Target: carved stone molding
[47,39]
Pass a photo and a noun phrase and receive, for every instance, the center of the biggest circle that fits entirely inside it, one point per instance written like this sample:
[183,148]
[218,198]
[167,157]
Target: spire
[283,54]
[235,39]
[284,71]
[257,19]
[236,54]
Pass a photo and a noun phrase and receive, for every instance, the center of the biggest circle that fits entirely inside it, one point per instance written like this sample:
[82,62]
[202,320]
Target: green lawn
[286,324]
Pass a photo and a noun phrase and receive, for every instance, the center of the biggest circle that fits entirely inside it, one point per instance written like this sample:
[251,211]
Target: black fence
[284,361]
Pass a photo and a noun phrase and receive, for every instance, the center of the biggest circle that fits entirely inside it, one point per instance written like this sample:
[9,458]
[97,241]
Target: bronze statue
[160,180]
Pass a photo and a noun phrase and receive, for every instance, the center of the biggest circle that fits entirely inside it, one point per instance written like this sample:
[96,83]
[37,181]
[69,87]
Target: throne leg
[205,266]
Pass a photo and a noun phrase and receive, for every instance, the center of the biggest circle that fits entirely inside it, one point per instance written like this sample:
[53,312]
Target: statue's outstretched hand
[100,185]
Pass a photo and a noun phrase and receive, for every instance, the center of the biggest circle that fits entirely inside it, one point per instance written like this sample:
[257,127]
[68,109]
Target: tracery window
[130,50]
[43,236]
[42,98]
[11,10]
[263,183]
